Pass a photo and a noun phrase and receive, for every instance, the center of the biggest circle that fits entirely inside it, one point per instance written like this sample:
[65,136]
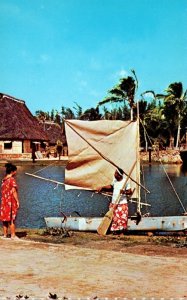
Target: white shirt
[117,186]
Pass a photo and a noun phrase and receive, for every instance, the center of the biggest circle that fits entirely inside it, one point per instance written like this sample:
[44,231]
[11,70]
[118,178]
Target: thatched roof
[54,132]
[17,122]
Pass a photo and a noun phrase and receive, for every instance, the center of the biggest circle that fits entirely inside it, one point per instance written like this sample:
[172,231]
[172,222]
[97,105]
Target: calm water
[39,199]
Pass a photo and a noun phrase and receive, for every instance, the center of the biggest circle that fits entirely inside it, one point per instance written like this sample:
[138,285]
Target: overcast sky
[57,52]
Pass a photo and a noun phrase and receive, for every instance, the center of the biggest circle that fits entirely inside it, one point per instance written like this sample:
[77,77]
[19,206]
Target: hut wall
[15,149]
[11,150]
[27,146]
[11,147]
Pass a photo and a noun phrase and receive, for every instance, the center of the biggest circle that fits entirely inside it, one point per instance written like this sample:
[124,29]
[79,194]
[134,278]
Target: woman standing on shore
[9,201]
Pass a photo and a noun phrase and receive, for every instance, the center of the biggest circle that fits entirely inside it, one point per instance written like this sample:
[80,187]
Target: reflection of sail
[96,148]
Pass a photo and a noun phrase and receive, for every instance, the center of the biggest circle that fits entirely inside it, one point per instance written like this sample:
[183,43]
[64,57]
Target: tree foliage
[163,116]
[124,91]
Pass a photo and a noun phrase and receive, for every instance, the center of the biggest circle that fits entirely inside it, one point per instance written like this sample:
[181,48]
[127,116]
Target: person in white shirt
[120,217]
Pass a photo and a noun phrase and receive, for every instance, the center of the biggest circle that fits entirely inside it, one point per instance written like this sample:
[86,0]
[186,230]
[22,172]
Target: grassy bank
[146,243]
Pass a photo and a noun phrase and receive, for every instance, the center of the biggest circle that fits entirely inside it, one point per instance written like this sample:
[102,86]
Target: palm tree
[67,113]
[125,90]
[116,113]
[153,120]
[91,114]
[78,110]
[42,115]
[174,106]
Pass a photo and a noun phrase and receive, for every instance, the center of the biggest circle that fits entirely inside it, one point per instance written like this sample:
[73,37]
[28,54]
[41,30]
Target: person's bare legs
[5,228]
[12,229]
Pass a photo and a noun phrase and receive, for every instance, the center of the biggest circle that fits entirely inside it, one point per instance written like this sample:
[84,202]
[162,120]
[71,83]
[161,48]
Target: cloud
[122,73]
[116,75]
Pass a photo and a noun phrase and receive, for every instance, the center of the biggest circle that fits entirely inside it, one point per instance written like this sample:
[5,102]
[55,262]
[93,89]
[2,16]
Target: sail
[96,148]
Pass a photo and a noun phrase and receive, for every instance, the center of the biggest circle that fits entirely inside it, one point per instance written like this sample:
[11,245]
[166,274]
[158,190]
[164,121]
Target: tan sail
[95,150]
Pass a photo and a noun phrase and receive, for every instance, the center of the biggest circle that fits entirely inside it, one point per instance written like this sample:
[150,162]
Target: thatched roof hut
[17,122]
[20,131]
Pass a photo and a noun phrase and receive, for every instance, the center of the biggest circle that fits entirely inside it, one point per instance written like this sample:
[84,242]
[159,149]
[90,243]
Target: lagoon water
[39,199]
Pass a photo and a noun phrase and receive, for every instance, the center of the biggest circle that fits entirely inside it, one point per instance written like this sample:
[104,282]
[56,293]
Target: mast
[138,158]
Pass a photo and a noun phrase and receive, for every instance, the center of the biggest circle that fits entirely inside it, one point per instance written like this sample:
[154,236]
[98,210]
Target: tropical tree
[78,110]
[67,113]
[175,107]
[91,114]
[52,114]
[57,118]
[154,127]
[124,91]
[42,115]
[116,113]
[171,112]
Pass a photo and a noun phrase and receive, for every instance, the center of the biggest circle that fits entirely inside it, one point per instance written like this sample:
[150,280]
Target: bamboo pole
[46,179]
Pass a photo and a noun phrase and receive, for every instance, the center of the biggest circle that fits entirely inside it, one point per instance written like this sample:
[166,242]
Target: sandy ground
[88,266]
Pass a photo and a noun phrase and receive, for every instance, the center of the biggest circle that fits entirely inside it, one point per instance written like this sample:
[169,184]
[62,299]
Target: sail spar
[95,148]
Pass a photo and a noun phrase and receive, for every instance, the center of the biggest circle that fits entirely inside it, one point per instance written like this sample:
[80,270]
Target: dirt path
[36,269]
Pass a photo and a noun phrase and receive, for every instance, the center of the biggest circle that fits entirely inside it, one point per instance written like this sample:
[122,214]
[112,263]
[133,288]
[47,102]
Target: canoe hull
[171,223]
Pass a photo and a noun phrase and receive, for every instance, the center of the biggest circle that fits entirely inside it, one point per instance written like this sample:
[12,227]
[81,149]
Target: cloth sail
[95,148]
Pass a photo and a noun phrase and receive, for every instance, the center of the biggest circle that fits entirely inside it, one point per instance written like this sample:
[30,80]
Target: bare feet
[15,238]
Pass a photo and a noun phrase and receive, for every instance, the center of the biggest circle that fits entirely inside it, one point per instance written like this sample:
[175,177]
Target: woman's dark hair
[10,168]
[120,171]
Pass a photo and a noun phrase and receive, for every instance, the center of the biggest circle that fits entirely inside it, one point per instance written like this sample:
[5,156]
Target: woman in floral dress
[9,201]
[120,217]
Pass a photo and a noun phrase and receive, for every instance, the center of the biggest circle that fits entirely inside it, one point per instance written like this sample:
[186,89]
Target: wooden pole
[106,221]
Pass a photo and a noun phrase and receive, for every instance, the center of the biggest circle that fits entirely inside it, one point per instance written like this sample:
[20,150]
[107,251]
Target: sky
[56,53]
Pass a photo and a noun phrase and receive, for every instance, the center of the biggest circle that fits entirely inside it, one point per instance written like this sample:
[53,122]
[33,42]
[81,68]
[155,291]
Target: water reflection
[163,196]
[40,198]
[183,170]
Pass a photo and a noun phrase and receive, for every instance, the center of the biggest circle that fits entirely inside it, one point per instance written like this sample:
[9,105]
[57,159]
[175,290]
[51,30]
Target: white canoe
[171,223]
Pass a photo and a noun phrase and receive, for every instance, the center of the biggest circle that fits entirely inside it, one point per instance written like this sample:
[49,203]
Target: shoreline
[38,162]
[162,156]
[166,241]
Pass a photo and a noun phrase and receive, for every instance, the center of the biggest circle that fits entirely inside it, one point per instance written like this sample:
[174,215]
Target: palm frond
[134,73]
[149,92]
[185,95]
[160,96]
[109,100]
[175,89]
[118,92]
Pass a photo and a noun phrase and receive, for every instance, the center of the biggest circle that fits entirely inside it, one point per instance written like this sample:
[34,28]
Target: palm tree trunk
[178,133]
[131,113]
[171,142]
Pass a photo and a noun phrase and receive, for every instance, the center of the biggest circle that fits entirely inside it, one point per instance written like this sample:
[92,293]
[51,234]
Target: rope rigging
[164,169]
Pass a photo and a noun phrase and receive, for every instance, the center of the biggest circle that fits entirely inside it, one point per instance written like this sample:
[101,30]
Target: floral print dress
[120,217]
[8,210]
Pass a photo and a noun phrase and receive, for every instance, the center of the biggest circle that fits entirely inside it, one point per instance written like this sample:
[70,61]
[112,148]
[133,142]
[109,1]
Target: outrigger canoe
[171,223]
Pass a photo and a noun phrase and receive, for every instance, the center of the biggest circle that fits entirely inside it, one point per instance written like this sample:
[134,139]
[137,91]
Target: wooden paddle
[107,219]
